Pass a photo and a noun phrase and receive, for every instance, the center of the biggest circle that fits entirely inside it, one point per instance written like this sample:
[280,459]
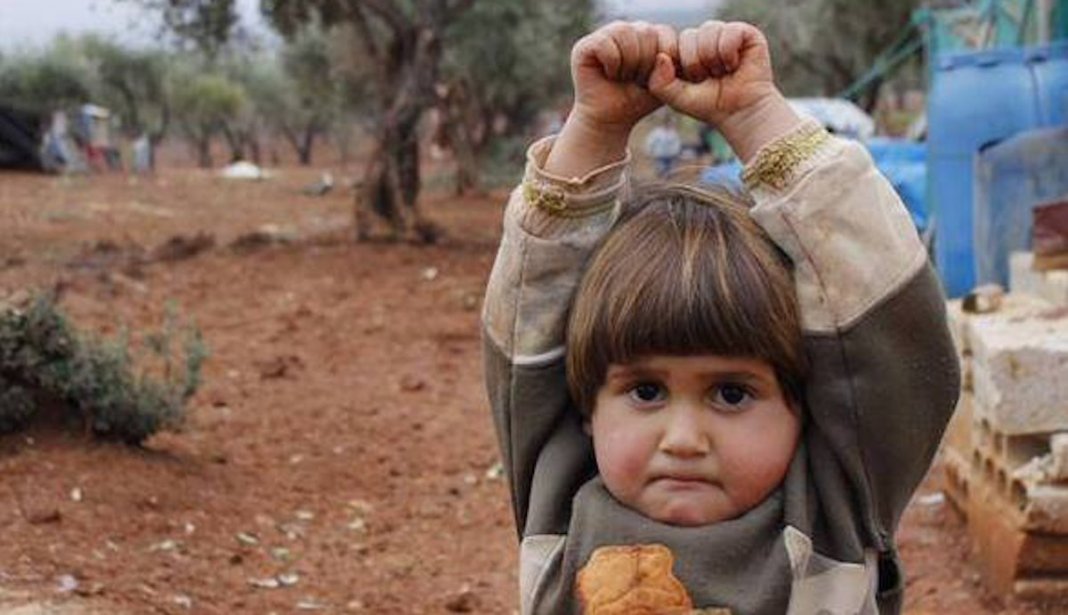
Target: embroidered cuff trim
[554,201]
[776,163]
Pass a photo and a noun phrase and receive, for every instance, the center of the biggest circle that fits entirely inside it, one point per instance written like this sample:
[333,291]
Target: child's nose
[683,433]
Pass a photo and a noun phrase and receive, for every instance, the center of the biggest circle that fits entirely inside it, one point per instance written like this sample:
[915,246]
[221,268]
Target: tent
[21,133]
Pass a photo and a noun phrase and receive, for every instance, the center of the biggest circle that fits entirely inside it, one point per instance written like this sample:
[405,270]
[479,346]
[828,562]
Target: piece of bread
[631,580]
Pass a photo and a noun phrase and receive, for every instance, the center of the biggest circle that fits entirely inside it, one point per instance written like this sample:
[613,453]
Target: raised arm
[883,379]
[553,221]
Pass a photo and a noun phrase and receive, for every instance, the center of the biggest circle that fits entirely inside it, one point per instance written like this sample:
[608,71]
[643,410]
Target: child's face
[692,440]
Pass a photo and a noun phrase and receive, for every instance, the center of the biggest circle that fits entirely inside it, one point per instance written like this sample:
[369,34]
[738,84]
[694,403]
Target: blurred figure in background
[664,145]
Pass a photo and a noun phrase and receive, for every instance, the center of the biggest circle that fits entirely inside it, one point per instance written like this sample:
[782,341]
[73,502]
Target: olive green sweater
[882,384]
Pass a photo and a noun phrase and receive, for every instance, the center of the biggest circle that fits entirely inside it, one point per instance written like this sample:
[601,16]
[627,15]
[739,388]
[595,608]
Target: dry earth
[339,457]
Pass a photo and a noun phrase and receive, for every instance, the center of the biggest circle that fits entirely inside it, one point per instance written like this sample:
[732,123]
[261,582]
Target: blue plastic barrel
[976,99]
[1050,67]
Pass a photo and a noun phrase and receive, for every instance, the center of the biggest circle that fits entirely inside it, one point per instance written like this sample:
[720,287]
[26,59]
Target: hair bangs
[686,295]
[683,274]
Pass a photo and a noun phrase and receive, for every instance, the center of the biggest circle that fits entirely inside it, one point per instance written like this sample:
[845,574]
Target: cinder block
[1059,456]
[1022,278]
[1020,371]
[1051,286]
[961,324]
[957,320]
[1055,288]
[957,454]
[1014,561]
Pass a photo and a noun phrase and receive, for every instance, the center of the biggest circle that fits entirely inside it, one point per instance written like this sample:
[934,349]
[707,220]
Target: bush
[43,359]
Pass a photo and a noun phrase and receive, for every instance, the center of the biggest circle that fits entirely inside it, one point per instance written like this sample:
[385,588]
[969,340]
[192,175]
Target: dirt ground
[339,457]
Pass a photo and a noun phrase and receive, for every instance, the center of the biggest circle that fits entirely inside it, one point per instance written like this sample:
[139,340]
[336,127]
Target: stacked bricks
[1006,449]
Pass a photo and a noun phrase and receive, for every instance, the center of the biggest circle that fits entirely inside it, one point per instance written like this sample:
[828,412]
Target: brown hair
[684,271]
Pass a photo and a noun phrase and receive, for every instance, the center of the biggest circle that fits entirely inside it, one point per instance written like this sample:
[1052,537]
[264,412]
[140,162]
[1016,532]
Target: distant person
[706,400]
[142,154]
[664,145]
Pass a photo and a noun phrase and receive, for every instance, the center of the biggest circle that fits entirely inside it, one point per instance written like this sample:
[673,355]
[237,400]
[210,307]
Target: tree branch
[359,21]
[395,19]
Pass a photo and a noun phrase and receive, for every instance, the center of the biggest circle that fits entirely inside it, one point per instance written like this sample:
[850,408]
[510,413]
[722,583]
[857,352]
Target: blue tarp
[904,163]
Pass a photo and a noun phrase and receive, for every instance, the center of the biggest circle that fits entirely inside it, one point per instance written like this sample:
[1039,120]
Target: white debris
[67,583]
[245,170]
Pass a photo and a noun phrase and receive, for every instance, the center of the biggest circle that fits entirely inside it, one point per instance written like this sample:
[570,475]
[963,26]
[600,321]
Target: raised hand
[723,75]
[610,68]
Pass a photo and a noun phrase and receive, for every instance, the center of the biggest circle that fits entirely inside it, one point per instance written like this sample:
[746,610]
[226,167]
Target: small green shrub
[96,382]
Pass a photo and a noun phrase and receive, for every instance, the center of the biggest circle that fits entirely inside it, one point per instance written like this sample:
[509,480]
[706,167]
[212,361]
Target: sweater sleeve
[551,225]
[883,377]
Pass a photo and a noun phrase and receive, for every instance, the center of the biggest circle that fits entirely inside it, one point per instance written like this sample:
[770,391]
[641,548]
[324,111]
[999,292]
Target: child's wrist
[759,124]
[585,144]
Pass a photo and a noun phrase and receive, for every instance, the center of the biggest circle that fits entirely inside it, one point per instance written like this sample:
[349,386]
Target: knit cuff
[549,199]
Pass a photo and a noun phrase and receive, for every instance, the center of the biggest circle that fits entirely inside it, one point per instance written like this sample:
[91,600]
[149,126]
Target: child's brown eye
[647,392]
[732,395]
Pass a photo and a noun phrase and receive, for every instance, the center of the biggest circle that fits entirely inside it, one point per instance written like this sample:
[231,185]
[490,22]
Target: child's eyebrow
[744,376]
[624,372]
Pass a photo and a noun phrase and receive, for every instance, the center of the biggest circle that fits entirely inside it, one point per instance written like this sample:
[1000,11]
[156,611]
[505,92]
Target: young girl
[750,390]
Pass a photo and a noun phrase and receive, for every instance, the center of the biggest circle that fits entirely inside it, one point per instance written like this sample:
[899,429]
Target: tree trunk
[236,143]
[455,110]
[391,181]
[255,149]
[203,145]
[304,149]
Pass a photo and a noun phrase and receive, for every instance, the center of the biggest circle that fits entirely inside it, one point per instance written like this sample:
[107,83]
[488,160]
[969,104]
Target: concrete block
[956,454]
[957,321]
[1059,455]
[1022,278]
[1020,371]
[1014,561]
[1051,286]
[960,324]
[1055,288]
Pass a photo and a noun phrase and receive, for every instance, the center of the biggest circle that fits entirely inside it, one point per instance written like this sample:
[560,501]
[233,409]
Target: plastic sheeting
[837,114]
[1011,178]
[904,163]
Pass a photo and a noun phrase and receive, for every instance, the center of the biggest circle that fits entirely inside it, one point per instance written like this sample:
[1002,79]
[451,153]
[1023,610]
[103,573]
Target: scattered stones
[280,553]
[412,383]
[267,583]
[67,583]
[464,601]
[166,545]
[180,247]
[247,539]
[495,471]
[279,366]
